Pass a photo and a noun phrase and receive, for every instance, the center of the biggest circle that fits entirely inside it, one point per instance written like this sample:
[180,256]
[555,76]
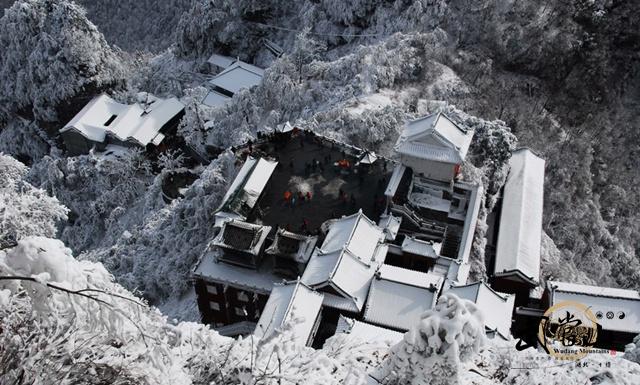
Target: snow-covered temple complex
[105,121]
[361,259]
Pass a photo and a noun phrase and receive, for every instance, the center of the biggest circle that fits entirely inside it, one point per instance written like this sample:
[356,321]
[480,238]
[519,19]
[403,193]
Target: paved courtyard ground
[361,186]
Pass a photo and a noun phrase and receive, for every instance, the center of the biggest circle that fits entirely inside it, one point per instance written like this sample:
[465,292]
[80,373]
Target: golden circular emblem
[568,330]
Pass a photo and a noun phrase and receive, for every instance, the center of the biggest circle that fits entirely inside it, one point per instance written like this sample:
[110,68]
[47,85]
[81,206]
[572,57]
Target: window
[110,120]
[212,289]
[240,311]
[214,306]
[242,296]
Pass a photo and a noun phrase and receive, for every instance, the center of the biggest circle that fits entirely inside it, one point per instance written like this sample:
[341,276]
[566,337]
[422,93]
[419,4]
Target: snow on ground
[183,308]
[374,101]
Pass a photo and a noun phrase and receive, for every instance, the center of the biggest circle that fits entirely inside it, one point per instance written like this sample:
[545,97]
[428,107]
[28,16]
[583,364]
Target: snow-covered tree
[24,209]
[65,321]
[51,53]
[24,139]
[223,26]
[96,188]
[432,352]
[113,18]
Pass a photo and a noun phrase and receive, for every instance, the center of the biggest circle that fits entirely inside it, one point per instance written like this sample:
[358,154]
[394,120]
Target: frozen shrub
[433,351]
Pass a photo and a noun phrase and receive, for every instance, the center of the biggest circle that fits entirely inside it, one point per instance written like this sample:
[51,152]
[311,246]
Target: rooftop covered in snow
[221,61]
[296,246]
[248,185]
[615,309]
[345,264]
[368,333]
[398,296]
[519,237]
[496,308]
[260,280]
[236,76]
[241,236]
[435,137]
[138,123]
[293,303]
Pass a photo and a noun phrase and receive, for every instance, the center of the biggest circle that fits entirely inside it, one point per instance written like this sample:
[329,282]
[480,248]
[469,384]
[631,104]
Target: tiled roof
[291,302]
[399,296]
[435,137]
[140,123]
[520,233]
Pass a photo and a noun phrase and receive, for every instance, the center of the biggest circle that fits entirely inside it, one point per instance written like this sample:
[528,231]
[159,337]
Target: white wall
[430,169]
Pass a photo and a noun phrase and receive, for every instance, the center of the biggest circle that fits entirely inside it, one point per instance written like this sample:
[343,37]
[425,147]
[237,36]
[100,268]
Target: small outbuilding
[237,76]
[291,252]
[105,121]
[242,243]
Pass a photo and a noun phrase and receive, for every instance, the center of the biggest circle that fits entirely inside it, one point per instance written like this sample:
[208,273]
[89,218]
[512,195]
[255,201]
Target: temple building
[104,121]
[516,267]
[617,311]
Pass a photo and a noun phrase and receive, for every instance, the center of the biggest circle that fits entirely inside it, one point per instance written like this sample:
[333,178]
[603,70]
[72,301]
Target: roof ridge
[379,277]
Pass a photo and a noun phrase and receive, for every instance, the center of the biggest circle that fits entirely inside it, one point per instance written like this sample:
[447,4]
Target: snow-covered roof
[236,329]
[355,233]
[237,76]
[221,60]
[342,272]
[242,236]
[390,224]
[394,181]
[260,280]
[347,259]
[366,332]
[471,219]
[419,247]
[140,123]
[435,137]
[284,127]
[597,291]
[299,247]
[215,99]
[496,308]
[368,157]
[615,309]
[398,296]
[520,234]
[248,186]
[291,302]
